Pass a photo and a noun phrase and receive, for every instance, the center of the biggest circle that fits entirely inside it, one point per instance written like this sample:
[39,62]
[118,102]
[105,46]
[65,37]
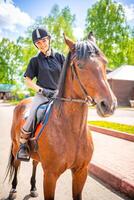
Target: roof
[125,72]
[6,87]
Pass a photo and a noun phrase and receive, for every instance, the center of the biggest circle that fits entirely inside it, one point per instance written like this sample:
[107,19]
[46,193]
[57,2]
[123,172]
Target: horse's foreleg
[49,185]
[78,177]
[33,191]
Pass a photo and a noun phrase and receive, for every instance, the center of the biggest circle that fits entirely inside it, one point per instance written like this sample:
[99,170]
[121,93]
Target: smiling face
[43,44]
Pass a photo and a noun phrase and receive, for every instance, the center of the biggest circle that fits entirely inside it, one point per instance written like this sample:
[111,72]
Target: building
[122,83]
[5,91]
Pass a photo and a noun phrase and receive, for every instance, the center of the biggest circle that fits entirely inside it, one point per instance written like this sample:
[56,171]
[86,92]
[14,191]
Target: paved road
[93,190]
[121,115]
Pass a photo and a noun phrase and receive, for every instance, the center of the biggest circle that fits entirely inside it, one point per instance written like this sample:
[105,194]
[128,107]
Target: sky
[17,15]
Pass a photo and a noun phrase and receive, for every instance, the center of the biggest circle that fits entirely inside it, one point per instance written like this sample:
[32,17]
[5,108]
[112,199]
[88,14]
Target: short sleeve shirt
[45,69]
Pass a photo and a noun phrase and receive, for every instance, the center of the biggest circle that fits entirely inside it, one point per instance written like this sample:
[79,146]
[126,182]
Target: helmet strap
[48,52]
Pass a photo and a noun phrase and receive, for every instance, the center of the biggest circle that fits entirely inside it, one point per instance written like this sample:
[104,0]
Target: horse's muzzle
[105,109]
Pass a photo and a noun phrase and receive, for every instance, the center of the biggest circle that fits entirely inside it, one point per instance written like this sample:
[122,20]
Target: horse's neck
[72,86]
[77,111]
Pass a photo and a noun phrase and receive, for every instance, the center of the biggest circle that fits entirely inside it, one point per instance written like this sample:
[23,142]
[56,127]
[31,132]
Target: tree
[107,20]
[61,22]
[28,51]
[130,48]
[10,61]
[130,51]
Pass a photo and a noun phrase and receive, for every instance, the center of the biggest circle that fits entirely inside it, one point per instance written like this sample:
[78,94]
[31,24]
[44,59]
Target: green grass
[115,126]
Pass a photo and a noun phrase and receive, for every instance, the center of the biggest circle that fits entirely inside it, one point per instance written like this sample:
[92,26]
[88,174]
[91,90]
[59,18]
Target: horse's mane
[83,50]
[63,76]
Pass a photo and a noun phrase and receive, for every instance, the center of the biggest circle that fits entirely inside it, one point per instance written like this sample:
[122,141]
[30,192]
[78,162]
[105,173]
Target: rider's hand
[49,93]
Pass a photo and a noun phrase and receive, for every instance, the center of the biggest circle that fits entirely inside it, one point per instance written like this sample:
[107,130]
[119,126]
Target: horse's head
[90,67]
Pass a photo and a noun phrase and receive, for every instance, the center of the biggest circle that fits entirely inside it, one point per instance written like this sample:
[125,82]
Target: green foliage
[57,25]
[107,20]
[20,95]
[10,61]
[115,126]
[130,50]
[28,51]
[20,92]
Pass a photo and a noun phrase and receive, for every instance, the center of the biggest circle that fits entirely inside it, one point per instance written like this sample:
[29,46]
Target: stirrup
[23,159]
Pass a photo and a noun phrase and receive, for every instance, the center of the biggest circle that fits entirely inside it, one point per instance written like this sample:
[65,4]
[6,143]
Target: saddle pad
[41,111]
[41,115]
[44,121]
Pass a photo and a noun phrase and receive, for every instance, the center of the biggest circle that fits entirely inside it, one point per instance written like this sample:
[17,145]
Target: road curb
[113,133]
[112,178]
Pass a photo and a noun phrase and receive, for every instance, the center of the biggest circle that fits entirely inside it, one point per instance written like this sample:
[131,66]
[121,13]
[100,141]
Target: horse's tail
[10,171]
[13,164]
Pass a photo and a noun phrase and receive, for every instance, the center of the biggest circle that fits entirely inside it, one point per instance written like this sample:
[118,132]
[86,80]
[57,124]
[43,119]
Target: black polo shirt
[46,69]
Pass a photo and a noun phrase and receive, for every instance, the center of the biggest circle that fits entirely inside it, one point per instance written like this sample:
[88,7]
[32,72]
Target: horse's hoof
[33,193]
[12,195]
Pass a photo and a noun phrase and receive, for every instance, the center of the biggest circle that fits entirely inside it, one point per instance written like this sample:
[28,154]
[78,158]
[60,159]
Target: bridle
[87,99]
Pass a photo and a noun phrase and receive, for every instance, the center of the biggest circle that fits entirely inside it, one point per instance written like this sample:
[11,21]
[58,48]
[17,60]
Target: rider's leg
[23,153]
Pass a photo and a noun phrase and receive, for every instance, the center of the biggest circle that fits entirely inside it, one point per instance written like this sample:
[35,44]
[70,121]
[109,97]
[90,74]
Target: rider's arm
[30,84]
[46,92]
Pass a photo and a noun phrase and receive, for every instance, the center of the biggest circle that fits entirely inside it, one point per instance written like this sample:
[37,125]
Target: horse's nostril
[103,105]
[106,108]
[103,108]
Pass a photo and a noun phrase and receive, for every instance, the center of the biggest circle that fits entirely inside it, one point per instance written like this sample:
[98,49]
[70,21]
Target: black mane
[63,76]
[83,50]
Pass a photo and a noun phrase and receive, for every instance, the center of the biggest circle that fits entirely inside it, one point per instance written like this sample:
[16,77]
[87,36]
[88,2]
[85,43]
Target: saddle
[41,118]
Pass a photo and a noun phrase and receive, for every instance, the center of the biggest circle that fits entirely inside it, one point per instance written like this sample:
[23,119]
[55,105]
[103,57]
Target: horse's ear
[69,42]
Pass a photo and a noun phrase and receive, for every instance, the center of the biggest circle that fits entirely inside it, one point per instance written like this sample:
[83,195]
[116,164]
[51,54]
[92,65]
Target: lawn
[115,126]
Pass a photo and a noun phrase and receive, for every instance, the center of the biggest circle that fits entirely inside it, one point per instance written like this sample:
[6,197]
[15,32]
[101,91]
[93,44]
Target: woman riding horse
[46,67]
[66,142]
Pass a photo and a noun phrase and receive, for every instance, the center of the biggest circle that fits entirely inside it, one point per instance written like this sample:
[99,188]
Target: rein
[73,100]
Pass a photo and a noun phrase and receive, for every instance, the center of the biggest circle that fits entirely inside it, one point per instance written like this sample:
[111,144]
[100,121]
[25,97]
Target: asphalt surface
[121,115]
[93,190]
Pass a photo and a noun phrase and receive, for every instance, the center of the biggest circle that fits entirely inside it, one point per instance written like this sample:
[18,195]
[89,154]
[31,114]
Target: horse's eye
[80,65]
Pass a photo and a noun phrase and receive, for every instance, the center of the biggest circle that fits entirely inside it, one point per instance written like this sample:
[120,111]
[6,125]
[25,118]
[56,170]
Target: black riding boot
[23,153]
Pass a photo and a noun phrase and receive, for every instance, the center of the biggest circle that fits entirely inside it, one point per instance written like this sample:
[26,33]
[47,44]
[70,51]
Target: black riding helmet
[38,34]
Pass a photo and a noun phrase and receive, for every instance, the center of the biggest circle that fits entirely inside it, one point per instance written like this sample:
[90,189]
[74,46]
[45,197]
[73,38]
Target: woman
[46,68]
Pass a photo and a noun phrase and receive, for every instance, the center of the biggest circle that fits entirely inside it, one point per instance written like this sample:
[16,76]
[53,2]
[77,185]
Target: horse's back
[18,113]
[22,105]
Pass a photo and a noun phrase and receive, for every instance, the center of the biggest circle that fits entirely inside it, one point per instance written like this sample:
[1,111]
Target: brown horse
[66,142]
